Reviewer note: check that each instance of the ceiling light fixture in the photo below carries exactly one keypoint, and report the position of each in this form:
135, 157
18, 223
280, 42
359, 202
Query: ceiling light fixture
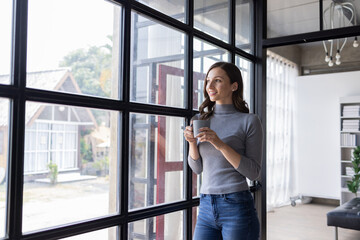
339, 15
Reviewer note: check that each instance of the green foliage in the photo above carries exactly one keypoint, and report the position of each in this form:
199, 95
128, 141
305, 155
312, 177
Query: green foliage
353, 185
91, 68
84, 131
53, 174
86, 152
102, 165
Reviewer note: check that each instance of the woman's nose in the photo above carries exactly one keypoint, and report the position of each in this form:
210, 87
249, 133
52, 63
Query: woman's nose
210, 84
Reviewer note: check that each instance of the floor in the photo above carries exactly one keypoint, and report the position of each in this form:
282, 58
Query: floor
303, 222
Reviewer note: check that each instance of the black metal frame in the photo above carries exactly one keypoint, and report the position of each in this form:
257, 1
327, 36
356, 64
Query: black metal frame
19, 94
261, 44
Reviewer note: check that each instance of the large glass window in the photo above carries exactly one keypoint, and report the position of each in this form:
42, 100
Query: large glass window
97, 72
72, 50
70, 165
4, 144
212, 17
173, 8
108, 233
205, 55
157, 54
245, 67
195, 213
169, 226
292, 17
156, 160
5, 46
339, 14
244, 23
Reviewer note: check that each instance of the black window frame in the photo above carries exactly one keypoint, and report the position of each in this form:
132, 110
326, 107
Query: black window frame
19, 94
262, 44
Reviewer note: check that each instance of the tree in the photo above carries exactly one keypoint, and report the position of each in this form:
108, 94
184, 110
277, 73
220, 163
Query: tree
91, 68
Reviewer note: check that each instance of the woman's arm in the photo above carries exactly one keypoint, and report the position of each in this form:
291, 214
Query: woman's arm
194, 151
250, 164
194, 158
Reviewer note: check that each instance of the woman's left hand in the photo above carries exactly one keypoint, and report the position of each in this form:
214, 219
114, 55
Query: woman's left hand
208, 135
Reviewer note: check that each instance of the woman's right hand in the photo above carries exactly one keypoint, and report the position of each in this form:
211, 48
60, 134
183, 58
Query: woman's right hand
189, 135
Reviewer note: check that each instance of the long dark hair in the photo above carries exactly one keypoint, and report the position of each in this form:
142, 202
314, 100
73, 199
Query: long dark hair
234, 75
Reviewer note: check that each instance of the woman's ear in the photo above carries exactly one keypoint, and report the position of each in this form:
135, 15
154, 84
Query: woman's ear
234, 86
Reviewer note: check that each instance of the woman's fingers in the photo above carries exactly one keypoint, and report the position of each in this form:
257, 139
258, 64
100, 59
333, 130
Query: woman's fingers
189, 128
206, 136
188, 134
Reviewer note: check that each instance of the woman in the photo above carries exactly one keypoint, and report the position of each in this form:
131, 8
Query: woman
226, 153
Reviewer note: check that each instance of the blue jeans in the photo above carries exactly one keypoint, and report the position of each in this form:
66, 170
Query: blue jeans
227, 216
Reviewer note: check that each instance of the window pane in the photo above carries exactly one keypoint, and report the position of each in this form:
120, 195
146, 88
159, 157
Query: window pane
196, 184
195, 213
212, 17
244, 25
4, 144
108, 233
72, 50
156, 160
5, 46
173, 8
70, 170
245, 67
205, 55
157, 57
339, 14
169, 226
292, 17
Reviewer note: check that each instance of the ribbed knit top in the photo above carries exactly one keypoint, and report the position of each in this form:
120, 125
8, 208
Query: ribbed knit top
242, 132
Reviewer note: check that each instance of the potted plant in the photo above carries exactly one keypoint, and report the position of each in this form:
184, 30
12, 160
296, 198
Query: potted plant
53, 172
353, 185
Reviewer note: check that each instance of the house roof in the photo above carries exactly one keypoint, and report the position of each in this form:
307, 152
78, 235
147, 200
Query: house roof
59, 79
42, 79
47, 80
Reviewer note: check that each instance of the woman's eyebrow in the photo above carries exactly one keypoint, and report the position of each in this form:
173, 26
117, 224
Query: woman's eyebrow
215, 77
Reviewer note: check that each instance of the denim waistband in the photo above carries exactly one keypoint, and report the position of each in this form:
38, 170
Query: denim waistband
225, 194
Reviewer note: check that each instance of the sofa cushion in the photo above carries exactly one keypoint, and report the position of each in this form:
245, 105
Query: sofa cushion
346, 215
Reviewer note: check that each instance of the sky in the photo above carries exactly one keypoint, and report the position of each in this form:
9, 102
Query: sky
55, 28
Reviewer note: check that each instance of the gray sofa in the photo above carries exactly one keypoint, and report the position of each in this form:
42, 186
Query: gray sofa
346, 215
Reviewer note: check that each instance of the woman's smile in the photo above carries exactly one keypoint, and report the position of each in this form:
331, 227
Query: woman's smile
218, 86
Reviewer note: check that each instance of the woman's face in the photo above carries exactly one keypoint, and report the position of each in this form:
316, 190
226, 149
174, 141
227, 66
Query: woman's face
218, 86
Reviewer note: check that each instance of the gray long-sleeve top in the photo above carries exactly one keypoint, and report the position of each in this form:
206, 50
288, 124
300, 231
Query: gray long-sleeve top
242, 132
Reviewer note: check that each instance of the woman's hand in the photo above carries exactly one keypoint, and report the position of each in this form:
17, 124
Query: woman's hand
208, 135
189, 135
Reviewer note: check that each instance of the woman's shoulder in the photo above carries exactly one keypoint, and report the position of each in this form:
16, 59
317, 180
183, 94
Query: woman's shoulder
249, 117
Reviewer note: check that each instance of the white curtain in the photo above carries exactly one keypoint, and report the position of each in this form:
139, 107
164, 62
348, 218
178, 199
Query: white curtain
281, 75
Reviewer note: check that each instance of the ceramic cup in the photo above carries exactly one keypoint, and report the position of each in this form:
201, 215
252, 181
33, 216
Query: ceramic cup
197, 124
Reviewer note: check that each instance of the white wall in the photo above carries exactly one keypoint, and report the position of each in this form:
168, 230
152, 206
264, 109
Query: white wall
317, 126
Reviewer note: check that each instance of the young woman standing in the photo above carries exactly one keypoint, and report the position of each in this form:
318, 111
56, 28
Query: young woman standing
226, 153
